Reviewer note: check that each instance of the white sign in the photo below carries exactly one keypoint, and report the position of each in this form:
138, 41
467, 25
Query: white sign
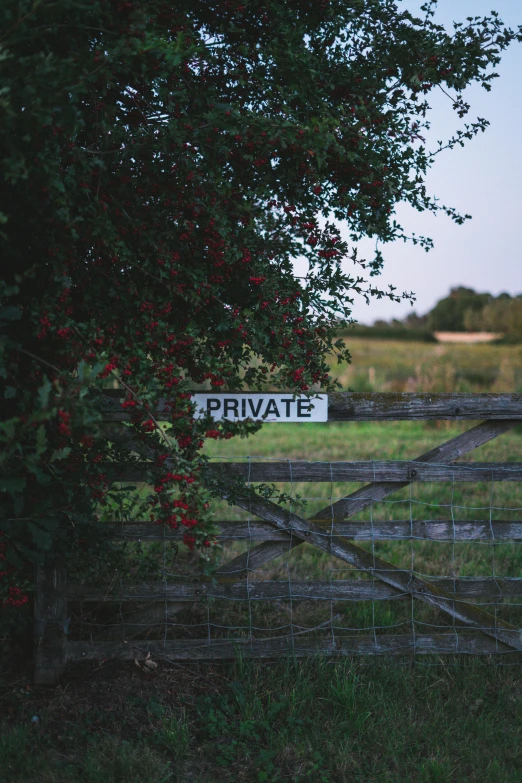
268, 407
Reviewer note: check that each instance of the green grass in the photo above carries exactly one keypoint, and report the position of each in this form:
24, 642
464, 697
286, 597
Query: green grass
27, 756
319, 721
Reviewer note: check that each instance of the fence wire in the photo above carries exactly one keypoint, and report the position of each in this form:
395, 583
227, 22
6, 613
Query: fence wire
462, 537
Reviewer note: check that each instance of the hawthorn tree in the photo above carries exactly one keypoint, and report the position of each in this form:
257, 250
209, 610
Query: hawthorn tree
163, 164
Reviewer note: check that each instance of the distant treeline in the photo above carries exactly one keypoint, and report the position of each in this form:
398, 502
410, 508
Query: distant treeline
463, 310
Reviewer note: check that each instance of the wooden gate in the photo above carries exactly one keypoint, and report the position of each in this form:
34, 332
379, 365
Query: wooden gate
278, 531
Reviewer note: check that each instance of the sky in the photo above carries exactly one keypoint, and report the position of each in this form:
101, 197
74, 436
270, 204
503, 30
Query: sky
483, 179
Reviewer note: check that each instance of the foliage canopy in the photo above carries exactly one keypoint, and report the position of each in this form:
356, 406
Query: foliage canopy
162, 166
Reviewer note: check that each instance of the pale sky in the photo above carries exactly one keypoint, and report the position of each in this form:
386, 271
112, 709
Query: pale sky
483, 179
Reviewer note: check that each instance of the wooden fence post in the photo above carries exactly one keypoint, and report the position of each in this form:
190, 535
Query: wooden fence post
50, 612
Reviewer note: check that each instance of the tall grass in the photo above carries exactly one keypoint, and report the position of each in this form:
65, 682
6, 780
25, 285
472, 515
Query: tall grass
386, 365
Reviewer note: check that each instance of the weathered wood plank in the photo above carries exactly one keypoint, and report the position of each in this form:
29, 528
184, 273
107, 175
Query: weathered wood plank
386, 406
50, 615
242, 565
486, 588
203, 650
387, 530
134, 623
379, 568
378, 470
349, 406
331, 472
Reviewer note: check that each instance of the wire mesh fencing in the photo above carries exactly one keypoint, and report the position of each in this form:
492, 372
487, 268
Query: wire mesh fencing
403, 558
428, 562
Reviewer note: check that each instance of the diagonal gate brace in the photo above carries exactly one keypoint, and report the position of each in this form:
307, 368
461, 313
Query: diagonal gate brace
301, 530
402, 581
239, 567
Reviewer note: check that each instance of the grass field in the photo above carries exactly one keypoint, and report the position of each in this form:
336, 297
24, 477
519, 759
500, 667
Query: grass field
383, 365
435, 720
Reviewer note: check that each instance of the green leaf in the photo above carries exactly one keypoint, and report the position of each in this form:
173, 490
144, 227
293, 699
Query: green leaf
14, 559
44, 392
12, 485
9, 392
41, 440
41, 538
42, 478
10, 313
8, 427
60, 454
84, 371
